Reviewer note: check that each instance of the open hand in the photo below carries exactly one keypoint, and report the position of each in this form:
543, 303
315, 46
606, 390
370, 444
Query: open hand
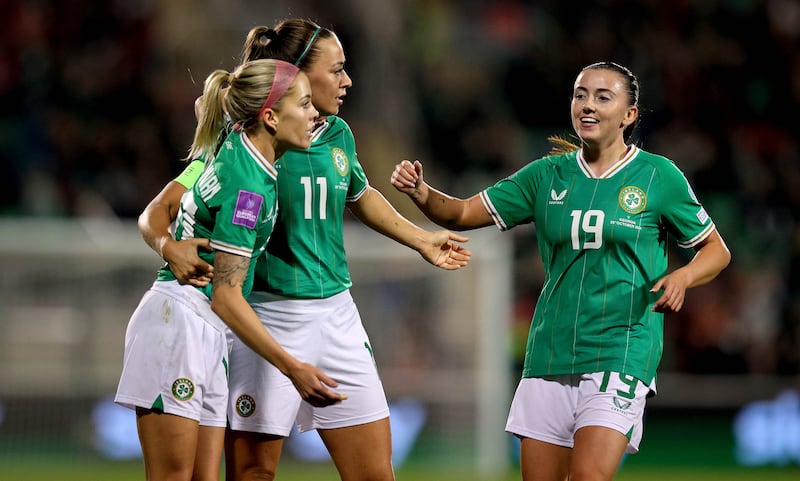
185, 263
443, 250
312, 384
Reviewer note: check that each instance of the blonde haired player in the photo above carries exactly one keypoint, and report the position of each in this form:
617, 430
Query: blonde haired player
176, 349
302, 288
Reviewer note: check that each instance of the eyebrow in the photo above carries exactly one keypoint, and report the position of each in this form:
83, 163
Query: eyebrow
599, 90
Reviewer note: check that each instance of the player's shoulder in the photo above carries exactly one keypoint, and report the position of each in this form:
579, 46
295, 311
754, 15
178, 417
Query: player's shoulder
665, 168
240, 157
337, 122
333, 127
657, 161
542, 167
559, 160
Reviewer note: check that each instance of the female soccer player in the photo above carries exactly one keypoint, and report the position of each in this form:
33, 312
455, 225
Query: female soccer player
176, 350
603, 213
302, 284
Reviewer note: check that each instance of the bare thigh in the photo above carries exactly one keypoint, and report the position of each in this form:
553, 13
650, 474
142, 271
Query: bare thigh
597, 453
208, 461
251, 456
169, 446
362, 452
541, 461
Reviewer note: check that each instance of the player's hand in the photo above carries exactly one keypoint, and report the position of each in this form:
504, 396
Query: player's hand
674, 287
185, 263
407, 178
442, 250
312, 384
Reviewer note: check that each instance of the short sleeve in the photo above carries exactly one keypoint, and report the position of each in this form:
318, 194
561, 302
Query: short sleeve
512, 201
683, 215
237, 211
358, 178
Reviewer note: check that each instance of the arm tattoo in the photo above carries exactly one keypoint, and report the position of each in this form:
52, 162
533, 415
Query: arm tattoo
230, 269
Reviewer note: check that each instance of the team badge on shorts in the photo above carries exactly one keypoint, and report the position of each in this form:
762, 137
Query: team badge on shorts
245, 405
340, 161
632, 199
183, 389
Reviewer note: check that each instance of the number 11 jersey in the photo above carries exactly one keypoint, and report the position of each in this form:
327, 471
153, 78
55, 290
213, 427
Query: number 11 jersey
306, 256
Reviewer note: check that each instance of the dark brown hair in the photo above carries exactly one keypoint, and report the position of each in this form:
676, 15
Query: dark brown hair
563, 146
291, 40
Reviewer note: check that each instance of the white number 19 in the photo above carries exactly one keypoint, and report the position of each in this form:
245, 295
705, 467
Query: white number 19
590, 222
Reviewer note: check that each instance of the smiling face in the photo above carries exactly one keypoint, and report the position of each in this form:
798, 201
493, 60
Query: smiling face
295, 115
601, 107
329, 81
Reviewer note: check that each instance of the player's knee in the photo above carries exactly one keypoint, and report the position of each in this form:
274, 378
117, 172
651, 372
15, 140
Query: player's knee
383, 472
586, 474
257, 473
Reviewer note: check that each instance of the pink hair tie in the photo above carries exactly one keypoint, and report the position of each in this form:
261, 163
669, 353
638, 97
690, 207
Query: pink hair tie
284, 76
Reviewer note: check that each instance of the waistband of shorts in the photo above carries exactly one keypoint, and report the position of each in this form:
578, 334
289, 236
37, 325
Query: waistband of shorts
193, 299
344, 297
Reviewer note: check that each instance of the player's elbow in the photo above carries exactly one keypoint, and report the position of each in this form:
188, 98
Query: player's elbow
223, 300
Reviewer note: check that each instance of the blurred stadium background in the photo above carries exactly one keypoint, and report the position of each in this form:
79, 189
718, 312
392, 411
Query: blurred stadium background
96, 110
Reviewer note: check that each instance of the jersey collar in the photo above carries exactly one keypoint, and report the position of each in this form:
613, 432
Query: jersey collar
626, 159
319, 128
257, 156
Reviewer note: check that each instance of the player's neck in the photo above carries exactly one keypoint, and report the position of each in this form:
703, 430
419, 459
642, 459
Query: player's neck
600, 159
266, 144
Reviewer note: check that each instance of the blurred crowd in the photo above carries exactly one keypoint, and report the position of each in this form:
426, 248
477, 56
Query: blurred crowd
96, 112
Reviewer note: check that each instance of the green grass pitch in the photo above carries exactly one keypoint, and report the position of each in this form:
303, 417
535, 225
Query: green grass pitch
41, 469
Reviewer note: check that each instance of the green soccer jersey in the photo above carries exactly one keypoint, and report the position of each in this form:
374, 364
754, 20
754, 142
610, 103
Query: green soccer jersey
233, 204
603, 243
306, 255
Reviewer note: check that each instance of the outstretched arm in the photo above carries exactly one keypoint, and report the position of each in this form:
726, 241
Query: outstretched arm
712, 255
440, 248
447, 211
181, 256
229, 304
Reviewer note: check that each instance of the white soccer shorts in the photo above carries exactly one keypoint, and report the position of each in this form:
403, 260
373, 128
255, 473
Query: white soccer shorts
553, 408
176, 356
327, 333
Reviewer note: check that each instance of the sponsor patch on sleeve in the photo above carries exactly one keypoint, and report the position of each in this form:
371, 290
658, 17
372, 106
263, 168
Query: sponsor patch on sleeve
248, 205
702, 215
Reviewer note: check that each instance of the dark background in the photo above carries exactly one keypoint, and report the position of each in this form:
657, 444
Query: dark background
96, 113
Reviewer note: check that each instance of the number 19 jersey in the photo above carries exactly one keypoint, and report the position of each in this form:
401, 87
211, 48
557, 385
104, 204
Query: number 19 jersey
603, 243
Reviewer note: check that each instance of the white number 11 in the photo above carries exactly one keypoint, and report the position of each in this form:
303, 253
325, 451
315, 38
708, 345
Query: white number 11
309, 196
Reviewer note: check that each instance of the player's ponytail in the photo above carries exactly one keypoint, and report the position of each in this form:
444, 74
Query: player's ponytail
211, 115
561, 146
